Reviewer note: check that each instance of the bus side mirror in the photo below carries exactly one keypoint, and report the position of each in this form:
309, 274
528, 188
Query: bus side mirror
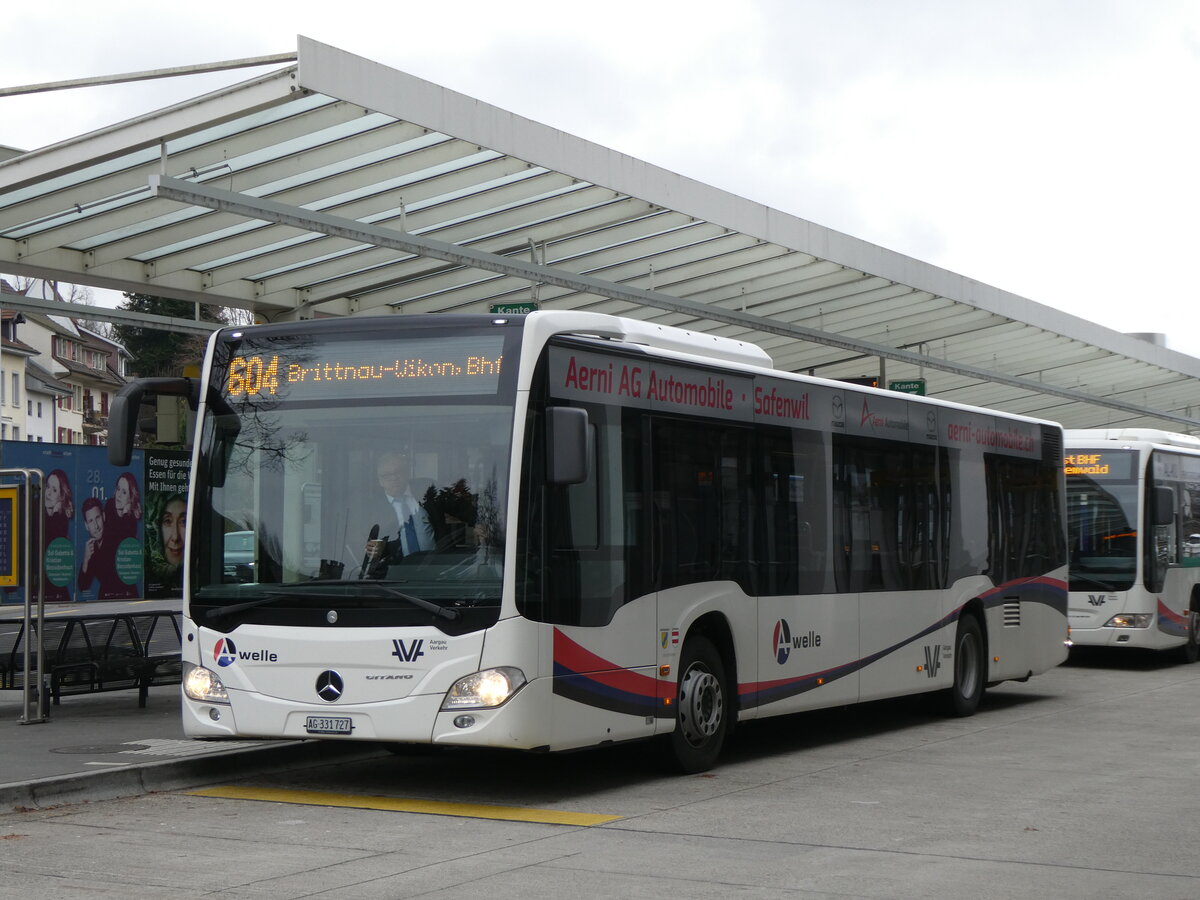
568, 450
123, 412
1164, 506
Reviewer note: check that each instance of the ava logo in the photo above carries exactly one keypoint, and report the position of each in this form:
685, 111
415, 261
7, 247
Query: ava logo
410, 653
224, 653
1096, 599
783, 641
933, 659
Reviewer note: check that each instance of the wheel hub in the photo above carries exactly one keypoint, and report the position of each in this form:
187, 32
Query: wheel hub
701, 705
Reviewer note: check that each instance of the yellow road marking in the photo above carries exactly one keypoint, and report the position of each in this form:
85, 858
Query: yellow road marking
405, 804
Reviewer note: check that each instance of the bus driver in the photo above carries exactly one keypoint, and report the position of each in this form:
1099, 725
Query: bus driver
397, 523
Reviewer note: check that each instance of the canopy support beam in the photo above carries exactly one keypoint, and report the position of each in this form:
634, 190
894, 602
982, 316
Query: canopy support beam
106, 314
210, 197
149, 74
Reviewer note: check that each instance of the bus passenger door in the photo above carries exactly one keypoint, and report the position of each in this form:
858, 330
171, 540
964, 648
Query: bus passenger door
894, 505
701, 523
807, 638
596, 593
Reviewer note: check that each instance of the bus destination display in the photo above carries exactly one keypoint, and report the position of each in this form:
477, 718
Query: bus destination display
366, 368
1103, 464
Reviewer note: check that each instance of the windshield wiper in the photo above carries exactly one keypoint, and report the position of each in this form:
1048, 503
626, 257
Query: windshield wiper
1079, 576
301, 587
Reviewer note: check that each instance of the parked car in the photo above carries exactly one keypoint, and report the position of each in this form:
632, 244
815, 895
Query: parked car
1191, 546
239, 555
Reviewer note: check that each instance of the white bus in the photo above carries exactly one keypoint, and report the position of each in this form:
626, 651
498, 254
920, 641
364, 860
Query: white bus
1133, 508
636, 531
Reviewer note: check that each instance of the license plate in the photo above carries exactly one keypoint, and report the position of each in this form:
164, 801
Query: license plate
328, 725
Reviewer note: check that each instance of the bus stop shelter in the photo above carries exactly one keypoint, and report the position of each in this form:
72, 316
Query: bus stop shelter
334, 185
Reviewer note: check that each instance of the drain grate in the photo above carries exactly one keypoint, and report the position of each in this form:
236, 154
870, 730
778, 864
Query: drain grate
101, 748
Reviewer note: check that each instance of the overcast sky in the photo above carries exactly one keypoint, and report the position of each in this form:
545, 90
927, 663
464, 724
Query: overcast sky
1046, 147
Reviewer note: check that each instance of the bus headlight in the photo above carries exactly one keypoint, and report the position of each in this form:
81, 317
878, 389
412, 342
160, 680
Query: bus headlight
1130, 620
203, 684
491, 687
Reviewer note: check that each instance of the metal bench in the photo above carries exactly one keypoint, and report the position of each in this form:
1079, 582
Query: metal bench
101, 652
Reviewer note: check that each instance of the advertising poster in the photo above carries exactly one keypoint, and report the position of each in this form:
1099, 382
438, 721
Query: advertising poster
167, 474
93, 520
57, 554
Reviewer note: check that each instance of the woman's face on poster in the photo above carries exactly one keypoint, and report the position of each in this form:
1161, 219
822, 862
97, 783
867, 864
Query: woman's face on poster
172, 522
53, 497
121, 497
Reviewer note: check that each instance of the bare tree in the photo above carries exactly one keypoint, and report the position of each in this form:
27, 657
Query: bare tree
74, 293
234, 316
19, 283
53, 290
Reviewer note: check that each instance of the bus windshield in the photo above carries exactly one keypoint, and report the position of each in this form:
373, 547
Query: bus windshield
352, 478
1102, 517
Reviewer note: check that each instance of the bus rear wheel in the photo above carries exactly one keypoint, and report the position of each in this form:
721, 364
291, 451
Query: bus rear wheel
970, 668
702, 708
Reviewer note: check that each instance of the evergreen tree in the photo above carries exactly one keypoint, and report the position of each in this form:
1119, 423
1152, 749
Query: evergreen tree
158, 352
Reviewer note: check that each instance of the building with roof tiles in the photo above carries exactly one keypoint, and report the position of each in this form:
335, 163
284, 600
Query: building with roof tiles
57, 377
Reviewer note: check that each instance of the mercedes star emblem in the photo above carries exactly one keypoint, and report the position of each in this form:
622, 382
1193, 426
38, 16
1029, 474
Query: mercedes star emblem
329, 685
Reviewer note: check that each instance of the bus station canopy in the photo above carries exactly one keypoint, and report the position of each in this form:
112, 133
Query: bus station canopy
338, 186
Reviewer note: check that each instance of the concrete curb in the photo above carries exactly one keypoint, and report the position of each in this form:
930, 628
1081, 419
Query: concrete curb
175, 775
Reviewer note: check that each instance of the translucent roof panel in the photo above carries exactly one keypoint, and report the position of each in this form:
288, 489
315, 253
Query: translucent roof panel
340, 186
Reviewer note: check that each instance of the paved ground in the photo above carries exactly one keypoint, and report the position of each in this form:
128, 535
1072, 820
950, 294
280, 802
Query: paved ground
105, 746
1082, 783
102, 746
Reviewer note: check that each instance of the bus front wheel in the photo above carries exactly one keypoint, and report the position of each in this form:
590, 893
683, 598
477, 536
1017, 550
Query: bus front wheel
970, 668
702, 707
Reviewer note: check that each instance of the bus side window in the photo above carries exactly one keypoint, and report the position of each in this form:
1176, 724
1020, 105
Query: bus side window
1025, 534
572, 522
796, 521
891, 515
701, 503
1163, 518
581, 517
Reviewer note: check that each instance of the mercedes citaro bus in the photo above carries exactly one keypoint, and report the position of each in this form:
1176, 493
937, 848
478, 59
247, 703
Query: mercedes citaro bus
636, 532
1133, 513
